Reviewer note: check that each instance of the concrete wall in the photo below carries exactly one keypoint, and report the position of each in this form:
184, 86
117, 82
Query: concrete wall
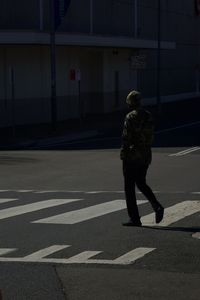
179, 23
106, 73
31, 83
20, 14
118, 78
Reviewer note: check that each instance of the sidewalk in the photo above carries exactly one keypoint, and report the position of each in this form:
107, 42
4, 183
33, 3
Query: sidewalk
173, 114
28, 136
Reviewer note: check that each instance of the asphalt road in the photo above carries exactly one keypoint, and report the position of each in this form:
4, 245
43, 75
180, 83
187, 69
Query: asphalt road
89, 254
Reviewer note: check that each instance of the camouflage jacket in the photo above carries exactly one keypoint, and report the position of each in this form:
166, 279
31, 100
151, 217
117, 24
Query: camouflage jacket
137, 137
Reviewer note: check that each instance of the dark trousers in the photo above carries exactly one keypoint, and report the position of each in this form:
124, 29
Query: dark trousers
135, 174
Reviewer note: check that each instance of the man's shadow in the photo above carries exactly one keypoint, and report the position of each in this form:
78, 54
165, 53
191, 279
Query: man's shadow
167, 228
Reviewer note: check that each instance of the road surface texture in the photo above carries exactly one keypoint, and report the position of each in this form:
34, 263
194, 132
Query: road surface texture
61, 209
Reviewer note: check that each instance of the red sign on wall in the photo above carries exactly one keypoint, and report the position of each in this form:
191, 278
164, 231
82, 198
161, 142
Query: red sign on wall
197, 7
72, 74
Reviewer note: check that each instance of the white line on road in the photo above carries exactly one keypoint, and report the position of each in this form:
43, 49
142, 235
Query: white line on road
133, 255
173, 213
5, 200
24, 191
4, 251
196, 235
78, 191
99, 192
56, 191
92, 192
126, 259
184, 152
23, 209
81, 258
77, 216
45, 252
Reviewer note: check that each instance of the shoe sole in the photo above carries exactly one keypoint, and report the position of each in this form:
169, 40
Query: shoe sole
132, 225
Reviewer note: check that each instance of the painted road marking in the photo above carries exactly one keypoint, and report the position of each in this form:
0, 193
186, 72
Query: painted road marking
4, 251
78, 191
133, 255
5, 200
196, 235
101, 192
81, 258
173, 213
24, 191
23, 209
57, 191
184, 152
77, 216
45, 252
90, 192
126, 259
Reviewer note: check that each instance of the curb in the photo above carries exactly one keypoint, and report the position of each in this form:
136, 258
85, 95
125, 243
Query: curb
43, 143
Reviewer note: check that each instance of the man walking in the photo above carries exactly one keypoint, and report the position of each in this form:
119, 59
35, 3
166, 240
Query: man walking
136, 155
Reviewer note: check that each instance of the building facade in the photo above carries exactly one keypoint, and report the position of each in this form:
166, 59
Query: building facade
104, 48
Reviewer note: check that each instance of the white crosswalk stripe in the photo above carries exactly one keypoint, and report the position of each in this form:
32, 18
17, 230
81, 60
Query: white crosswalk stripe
4, 251
77, 216
45, 252
5, 200
174, 213
81, 258
196, 235
27, 208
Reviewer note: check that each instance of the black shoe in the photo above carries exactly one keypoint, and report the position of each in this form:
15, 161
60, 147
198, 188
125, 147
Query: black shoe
159, 214
132, 223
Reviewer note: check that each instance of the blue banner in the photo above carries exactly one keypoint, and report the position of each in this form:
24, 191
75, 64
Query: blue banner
61, 7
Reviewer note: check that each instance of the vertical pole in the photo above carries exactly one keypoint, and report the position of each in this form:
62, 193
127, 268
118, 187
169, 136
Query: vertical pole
197, 79
135, 19
91, 16
80, 103
5, 76
159, 108
116, 89
13, 100
41, 15
136, 36
53, 66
